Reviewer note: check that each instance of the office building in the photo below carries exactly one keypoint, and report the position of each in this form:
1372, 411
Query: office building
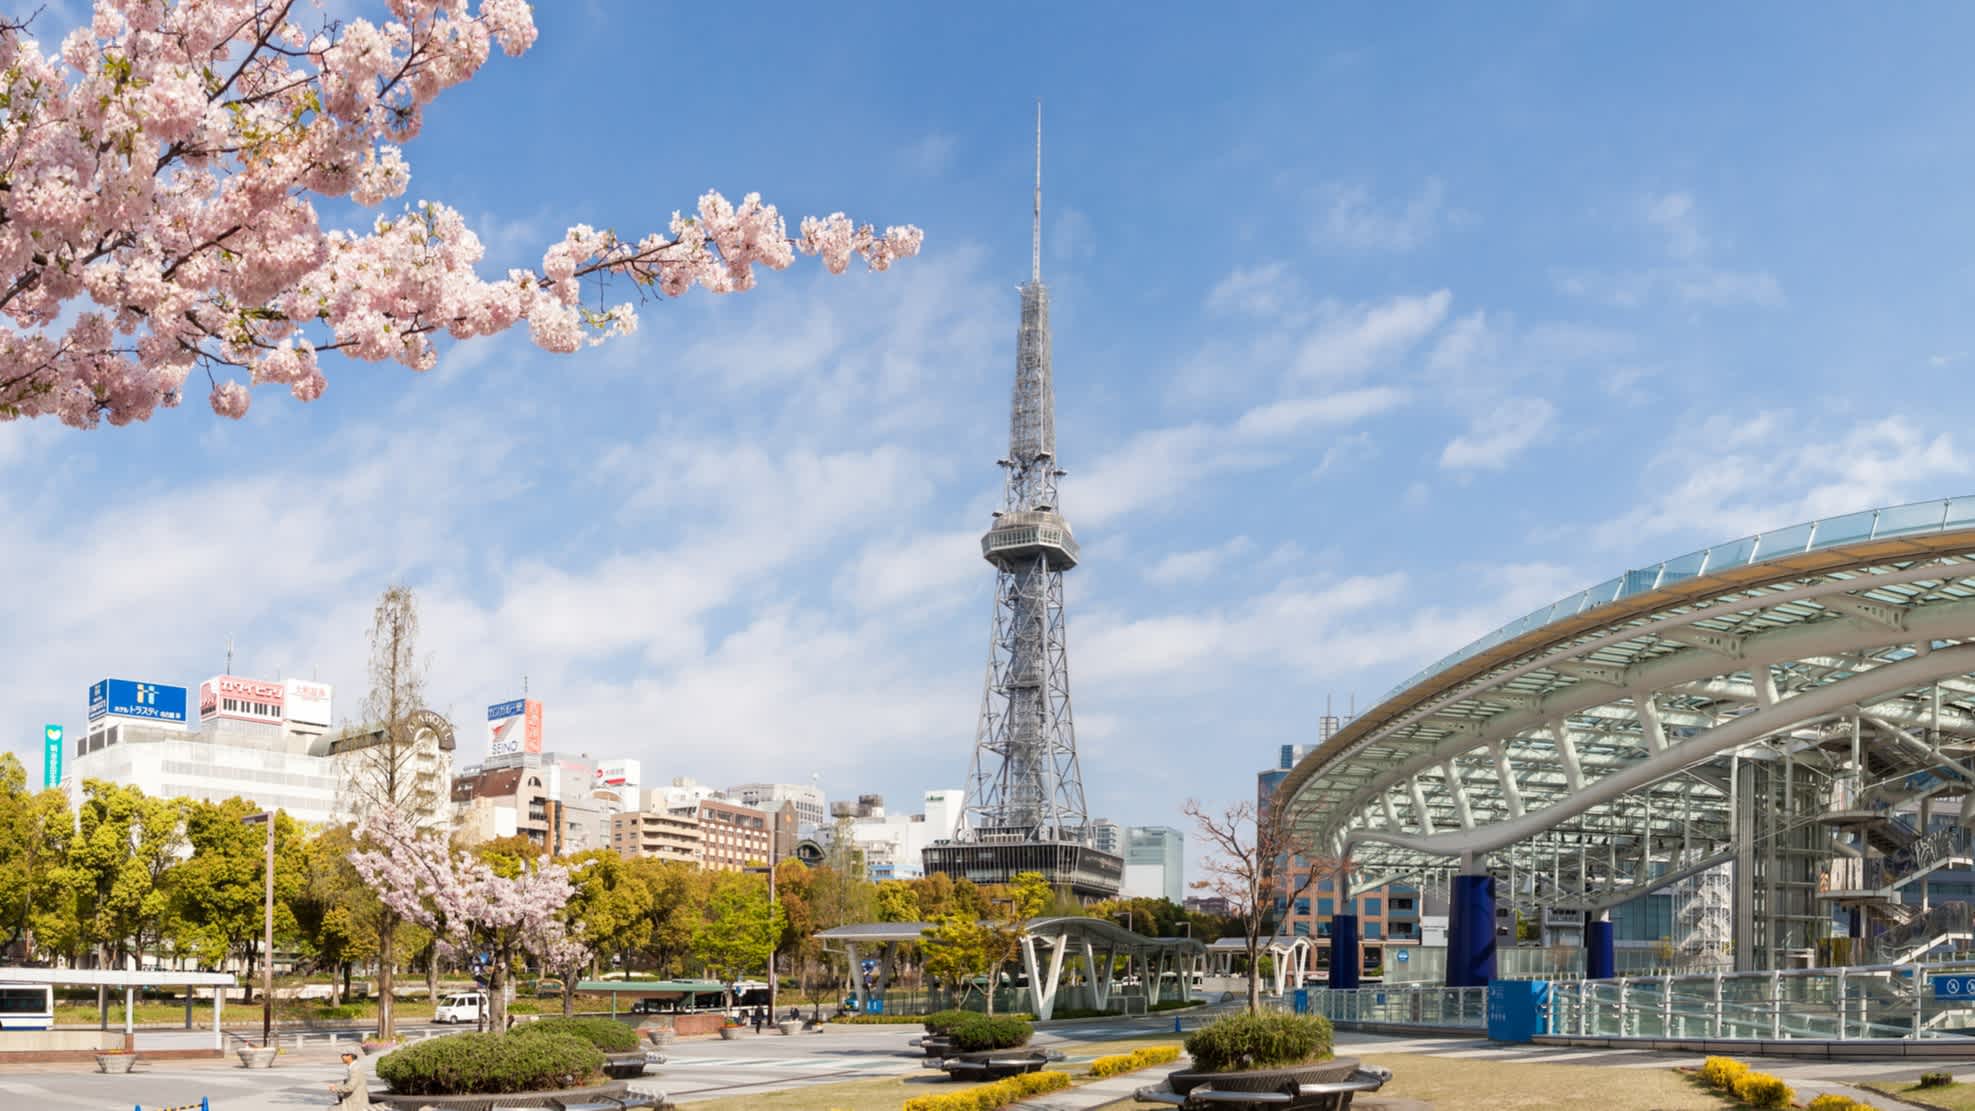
1155, 863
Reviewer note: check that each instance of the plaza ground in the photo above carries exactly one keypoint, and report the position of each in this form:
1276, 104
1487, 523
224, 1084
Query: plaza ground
871, 1068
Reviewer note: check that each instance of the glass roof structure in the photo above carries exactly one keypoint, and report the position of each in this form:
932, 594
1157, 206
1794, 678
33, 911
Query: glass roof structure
1597, 739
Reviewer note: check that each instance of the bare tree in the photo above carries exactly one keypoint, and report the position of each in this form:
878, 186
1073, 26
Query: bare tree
1242, 868
381, 771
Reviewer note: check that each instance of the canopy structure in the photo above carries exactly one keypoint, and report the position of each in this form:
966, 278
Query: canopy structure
1782, 714
130, 980
1091, 947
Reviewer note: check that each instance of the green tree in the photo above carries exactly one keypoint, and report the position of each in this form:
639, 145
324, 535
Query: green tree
897, 902
35, 829
738, 930
124, 847
334, 914
960, 949
611, 912
217, 893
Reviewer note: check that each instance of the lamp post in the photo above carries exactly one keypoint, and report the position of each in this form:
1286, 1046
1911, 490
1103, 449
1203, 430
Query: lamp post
267, 936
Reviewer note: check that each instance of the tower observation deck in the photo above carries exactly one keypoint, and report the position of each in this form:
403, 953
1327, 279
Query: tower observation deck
1025, 796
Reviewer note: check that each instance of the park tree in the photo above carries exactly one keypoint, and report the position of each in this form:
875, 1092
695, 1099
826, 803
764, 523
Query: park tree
959, 950
164, 167
124, 846
512, 904
897, 902
335, 915
676, 893
1244, 847
609, 914
35, 828
738, 929
218, 909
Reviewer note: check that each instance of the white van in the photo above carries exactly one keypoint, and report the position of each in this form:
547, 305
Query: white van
466, 1006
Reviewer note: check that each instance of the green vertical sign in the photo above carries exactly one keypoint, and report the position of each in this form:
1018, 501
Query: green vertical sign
51, 756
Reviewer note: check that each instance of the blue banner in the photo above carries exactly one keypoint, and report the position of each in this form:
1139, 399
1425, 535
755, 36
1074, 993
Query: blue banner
127, 699
51, 756
1954, 987
500, 710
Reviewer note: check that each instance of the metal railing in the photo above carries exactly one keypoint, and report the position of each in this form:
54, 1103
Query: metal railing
1835, 1004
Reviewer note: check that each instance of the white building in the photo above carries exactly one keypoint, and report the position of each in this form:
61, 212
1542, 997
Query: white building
622, 778
810, 809
250, 745
1107, 836
1155, 863
893, 843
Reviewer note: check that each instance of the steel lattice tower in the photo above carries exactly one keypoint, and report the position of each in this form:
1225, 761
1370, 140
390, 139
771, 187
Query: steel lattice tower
1025, 796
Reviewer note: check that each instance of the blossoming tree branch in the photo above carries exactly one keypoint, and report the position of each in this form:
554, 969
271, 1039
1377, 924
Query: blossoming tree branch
158, 179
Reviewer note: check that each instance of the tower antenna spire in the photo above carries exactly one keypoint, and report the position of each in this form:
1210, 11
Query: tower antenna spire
1035, 245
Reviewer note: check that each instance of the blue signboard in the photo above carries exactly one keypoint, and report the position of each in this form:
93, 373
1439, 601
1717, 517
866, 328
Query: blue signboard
1515, 1009
123, 698
1954, 987
51, 756
512, 709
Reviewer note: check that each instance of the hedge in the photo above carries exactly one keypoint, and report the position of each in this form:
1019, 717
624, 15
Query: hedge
988, 1097
1831, 1101
978, 1033
943, 1022
1721, 1073
1269, 1040
606, 1034
466, 1064
1137, 1059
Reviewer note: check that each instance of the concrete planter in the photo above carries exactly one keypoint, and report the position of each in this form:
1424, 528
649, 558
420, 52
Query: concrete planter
381, 1047
729, 1033
788, 1026
601, 1093
659, 1035
115, 1062
624, 1066
253, 1058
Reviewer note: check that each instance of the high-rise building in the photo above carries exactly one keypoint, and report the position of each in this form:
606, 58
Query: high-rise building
810, 808
732, 836
1025, 796
1155, 863
1107, 836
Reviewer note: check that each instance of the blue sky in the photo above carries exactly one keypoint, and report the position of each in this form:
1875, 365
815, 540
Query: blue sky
1373, 329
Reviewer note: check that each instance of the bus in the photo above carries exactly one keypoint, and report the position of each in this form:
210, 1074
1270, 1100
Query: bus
27, 1006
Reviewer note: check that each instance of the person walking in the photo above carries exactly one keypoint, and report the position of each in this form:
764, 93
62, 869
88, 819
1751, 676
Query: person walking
353, 1092
758, 1020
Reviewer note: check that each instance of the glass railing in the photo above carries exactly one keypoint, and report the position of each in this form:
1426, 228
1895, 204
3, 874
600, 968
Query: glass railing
1917, 518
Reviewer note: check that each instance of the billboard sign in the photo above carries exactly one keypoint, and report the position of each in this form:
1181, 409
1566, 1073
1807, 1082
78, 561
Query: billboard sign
514, 727
51, 755
307, 703
146, 701
230, 696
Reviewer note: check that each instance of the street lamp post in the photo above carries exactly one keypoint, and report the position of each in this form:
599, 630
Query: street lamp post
267, 935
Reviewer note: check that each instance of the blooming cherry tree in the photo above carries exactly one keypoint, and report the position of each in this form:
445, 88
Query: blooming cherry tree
159, 174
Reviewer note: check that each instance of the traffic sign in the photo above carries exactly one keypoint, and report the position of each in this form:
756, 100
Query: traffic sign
1402, 956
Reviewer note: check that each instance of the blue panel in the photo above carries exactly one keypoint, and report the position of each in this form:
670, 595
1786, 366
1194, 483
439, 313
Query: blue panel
1515, 1009
1954, 987
1344, 959
1599, 959
502, 710
1471, 932
148, 701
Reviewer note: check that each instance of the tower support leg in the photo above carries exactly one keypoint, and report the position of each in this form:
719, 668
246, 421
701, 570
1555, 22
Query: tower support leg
1470, 933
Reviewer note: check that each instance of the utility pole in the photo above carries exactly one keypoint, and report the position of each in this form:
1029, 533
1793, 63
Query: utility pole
267, 935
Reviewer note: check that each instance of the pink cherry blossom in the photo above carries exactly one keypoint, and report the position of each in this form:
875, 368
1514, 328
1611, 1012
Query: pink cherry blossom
162, 168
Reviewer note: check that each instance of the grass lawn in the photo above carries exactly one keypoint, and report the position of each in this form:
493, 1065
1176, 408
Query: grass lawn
1956, 1097
1451, 1083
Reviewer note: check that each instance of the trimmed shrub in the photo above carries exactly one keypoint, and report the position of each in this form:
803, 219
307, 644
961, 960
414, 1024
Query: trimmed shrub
987, 1097
1262, 1041
1759, 1089
1831, 1101
606, 1034
1935, 1079
1137, 1059
467, 1064
943, 1022
1721, 1073
978, 1033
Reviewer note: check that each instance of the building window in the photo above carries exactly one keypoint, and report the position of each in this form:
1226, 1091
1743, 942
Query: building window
1323, 885
1323, 907
1371, 931
1372, 907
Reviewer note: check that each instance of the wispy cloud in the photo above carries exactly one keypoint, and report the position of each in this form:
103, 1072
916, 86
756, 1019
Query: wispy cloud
1690, 277
1499, 434
1349, 218
1182, 567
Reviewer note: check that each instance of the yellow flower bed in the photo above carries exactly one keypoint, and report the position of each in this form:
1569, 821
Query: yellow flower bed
1137, 1059
1757, 1089
988, 1097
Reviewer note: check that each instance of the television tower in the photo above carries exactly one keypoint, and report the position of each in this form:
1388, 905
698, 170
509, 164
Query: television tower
1025, 808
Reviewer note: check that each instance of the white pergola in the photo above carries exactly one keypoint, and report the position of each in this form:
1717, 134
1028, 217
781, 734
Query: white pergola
129, 980
1736, 706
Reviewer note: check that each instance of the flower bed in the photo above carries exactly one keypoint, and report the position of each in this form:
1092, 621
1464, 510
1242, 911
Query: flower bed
987, 1097
1137, 1059
1757, 1089
1259, 1041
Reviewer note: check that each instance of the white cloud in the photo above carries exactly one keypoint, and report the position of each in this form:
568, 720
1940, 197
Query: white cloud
1691, 278
933, 567
931, 156
1292, 415
1673, 214
1498, 435
1267, 289
1359, 338
1348, 218
1717, 478
1182, 567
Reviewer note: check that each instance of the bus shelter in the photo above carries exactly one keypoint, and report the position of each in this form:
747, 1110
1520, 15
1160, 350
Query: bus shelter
128, 981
